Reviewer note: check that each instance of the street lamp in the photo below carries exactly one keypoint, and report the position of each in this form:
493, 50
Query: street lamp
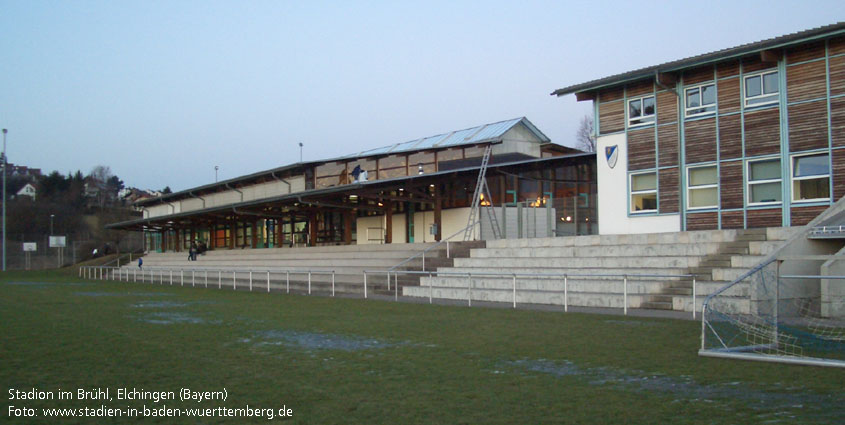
215, 173
4, 198
300, 151
51, 224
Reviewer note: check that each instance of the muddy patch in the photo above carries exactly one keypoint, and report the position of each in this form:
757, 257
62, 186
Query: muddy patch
684, 388
43, 284
172, 318
122, 294
317, 341
634, 323
168, 304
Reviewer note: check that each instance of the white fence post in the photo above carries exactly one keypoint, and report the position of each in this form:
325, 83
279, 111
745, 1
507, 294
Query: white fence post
693, 296
565, 294
219, 279
625, 294
309, 282
250, 281
469, 290
332, 282
234, 282
181, 277
192, 278
430, 294
395, 286
206, 278
514, 290
268, 280
365, 284
287, 279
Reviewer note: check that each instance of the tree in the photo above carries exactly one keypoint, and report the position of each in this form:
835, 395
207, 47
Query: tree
166, 190
586, 140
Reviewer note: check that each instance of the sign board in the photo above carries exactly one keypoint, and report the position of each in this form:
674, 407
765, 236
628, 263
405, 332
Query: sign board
30, 246
57, 242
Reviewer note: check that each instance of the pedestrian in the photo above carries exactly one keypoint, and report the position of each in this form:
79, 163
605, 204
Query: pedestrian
140, 262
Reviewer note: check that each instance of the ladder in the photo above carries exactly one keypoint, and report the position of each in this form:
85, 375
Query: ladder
482, 188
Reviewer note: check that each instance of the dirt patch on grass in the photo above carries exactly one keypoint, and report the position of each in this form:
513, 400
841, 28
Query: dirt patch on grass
777, 405
172, 318
122, 294
317, 341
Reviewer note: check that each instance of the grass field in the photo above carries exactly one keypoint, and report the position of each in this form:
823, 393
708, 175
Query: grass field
363, 361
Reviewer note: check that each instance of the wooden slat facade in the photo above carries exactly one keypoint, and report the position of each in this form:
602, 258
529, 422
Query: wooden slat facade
733, 220
731, 184
700, 140
808, 126
727, 69
702, 220
730, 137
800, 216
805, 52
805, 81
770, 217
728, 96
762, 132
667, 143
668, 190
611, 117
640, 88
667, 107
698, 75
837, 75
641, 149
838, 174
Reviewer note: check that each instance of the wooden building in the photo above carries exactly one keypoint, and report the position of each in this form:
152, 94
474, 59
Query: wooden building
750, 136
417, 191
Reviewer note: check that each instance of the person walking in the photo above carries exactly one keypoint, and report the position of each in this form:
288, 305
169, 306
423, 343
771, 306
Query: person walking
140, 262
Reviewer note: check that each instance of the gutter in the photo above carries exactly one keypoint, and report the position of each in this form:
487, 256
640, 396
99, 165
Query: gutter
191, 193
273, 174
236, 190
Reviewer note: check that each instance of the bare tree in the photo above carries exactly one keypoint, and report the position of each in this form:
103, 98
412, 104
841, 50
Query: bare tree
584, 137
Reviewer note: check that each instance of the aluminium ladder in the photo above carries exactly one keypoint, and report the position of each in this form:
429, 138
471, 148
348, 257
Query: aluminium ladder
481, 189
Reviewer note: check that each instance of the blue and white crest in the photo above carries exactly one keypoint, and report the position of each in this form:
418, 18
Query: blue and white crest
612, 154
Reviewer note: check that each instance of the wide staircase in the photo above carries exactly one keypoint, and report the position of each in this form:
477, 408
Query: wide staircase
597, 266
288, 267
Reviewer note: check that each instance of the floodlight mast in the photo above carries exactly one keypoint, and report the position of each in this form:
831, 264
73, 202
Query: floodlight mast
4, 198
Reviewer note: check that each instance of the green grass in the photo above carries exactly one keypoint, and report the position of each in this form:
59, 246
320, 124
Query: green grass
447, 364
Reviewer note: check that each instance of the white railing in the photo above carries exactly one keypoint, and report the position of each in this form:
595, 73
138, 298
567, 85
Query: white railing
263, 279
256, 278
828, 231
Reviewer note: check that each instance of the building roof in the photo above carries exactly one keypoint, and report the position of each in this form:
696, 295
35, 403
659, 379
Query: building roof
719, 55
487, 133
298, 196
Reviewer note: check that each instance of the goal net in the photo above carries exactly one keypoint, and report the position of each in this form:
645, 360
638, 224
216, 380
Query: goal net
768, 314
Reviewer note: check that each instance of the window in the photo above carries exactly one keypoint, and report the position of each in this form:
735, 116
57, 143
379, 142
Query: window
643, 192
702, 187
761, 89
764, 182
811, 178
641, 111
700, 100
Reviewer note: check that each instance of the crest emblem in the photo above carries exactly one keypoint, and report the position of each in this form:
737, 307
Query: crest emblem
612, 154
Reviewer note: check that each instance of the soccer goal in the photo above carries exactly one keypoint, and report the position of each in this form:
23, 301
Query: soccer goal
773, 314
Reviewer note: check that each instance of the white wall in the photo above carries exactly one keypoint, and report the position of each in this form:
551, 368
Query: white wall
613, 195
253, 192
363, 223
452, 220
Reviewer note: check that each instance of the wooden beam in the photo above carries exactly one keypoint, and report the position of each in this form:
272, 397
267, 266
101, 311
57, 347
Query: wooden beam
388, 220
347, 227
666, 79
770, 56
582, 96
312, 229
438, 201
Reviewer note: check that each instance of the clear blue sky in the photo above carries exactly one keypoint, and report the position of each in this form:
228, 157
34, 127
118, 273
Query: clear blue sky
162, 91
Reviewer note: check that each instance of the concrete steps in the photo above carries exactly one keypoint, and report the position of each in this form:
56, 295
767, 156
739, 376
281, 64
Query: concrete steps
716, 257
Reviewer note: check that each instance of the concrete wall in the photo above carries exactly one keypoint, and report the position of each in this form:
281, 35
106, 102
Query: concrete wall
249, 193
518, 140
833, 290
613, 196
452, 220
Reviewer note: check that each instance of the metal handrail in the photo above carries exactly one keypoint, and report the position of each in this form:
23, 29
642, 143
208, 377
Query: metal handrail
514, 276
422, 253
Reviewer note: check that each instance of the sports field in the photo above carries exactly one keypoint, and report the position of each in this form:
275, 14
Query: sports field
327, 361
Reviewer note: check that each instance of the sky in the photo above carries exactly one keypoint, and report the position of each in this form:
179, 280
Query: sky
164, 91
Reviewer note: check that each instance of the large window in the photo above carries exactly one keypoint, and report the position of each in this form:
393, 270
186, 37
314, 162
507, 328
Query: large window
700, 100
641, 111
702, 187
811, 178
761, 89
764, 182
644, 192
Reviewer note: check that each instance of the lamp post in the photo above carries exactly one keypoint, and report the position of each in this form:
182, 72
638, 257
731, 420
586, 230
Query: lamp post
300, 151
51, 224
215, 173
4, 198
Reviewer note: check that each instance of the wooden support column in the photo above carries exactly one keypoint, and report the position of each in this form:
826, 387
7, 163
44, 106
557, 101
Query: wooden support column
233, 233
279, 235
312, 228
438, 209
388, 220
347, 227
254, 234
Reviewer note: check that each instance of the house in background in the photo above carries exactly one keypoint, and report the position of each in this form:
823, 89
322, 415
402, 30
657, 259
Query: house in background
27, 190
750, 136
